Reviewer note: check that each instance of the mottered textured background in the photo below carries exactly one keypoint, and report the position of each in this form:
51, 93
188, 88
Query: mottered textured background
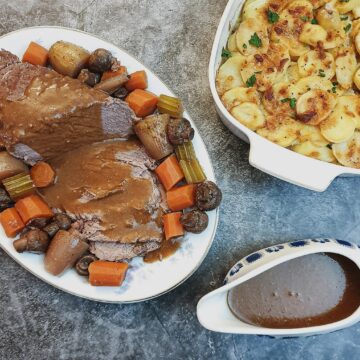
174, 38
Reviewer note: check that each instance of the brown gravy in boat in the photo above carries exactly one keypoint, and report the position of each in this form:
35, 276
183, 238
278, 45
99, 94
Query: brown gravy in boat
311, 290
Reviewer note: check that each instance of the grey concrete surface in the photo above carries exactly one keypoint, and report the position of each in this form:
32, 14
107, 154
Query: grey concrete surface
174, 38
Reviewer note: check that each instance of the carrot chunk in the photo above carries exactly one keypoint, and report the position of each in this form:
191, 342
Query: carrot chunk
142, 102
169, 172
181, 197
138, 80
32, 207
11, 222
109, 74
42, 174
172, 225
36, 54
106, 273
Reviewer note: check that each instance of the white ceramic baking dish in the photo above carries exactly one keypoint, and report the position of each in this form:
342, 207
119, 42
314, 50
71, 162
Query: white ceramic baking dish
265, 155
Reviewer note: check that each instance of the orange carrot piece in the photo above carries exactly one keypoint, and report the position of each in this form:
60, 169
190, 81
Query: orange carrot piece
36, 54
42, 174
142, 102
106, 273
181, 197
109, 74
138, 80
32, 207
11, 222
172, 225
169, 172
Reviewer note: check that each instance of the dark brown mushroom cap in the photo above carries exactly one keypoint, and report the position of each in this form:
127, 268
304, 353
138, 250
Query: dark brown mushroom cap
195, 221
63, 221
179, 131
34, 240
208, 196
100, 61
82, 265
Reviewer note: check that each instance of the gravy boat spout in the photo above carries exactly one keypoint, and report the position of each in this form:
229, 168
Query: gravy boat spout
213, 310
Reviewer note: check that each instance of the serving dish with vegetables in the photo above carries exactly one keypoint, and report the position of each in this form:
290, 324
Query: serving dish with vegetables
288, 71
104, 176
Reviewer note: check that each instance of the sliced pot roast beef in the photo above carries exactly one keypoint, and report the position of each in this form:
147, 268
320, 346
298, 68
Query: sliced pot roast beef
44, 114
113, 197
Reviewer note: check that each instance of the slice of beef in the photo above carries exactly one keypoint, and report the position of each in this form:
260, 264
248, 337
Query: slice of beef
43, 114
113, 197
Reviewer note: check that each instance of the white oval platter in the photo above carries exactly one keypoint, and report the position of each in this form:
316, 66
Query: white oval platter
143, 281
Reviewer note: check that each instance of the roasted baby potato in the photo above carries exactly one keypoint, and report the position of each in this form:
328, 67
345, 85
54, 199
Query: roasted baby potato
68, 59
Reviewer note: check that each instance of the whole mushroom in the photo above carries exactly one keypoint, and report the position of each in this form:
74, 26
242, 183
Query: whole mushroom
100, 61
179, 131
195, 221
34, 240
208, 196
82, 265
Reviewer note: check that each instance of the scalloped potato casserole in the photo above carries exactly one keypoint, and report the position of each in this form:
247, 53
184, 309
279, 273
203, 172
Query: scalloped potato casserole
291, 73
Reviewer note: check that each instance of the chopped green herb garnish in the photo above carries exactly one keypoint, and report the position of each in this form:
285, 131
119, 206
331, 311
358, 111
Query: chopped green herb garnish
304, 18
333, 89
322, 73
314, 22
225, 53
344, 17
291, 101
250, 82
255, 40
347, 27
335, 83
258, 72
244, 46
344, 0
273, 17
329, 146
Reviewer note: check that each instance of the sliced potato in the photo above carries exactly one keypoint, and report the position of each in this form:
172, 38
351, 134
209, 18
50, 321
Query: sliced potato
329, 18
314, 106
356, 12
346, 67
249, 114
67, 58
311, 133
247, 30
340, 125
293, 74
312, 83
347, 153
322, 153
346, 6
317, 63
357, 42
231, 45
287, 30
318, 3
282, 131
350, 105
229, 76
357, 78
254, 9
312, 34
276, 99
355, 29
239, 95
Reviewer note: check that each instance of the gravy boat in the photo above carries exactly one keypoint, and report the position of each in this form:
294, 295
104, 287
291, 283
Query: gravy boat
214, 313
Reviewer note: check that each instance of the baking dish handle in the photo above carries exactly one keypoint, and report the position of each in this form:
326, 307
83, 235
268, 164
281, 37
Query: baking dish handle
292, 167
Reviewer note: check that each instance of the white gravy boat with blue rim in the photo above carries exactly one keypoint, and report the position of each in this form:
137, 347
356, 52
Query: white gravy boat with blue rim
214, 313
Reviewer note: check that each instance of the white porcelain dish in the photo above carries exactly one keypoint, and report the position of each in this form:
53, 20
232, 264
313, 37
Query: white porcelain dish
144, 281
265, 155
213, 311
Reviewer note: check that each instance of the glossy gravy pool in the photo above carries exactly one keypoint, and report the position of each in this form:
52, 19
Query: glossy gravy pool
311, 290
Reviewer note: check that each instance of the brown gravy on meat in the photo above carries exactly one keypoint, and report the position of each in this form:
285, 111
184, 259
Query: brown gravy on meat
312, 290
91, 183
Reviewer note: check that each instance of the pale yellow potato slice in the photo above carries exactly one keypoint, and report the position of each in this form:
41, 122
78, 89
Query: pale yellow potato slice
231, 45
315, 106
357, 78
356, 12
239, 95
317, 63
311, 133
339, 126
346, 6
282, 131
355, 29
350, 105
312, 34
346, 67
293, 74
322, 153
247, 29
347, 153
311, 83
254, 9
329, 18
249, 114
229, 76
